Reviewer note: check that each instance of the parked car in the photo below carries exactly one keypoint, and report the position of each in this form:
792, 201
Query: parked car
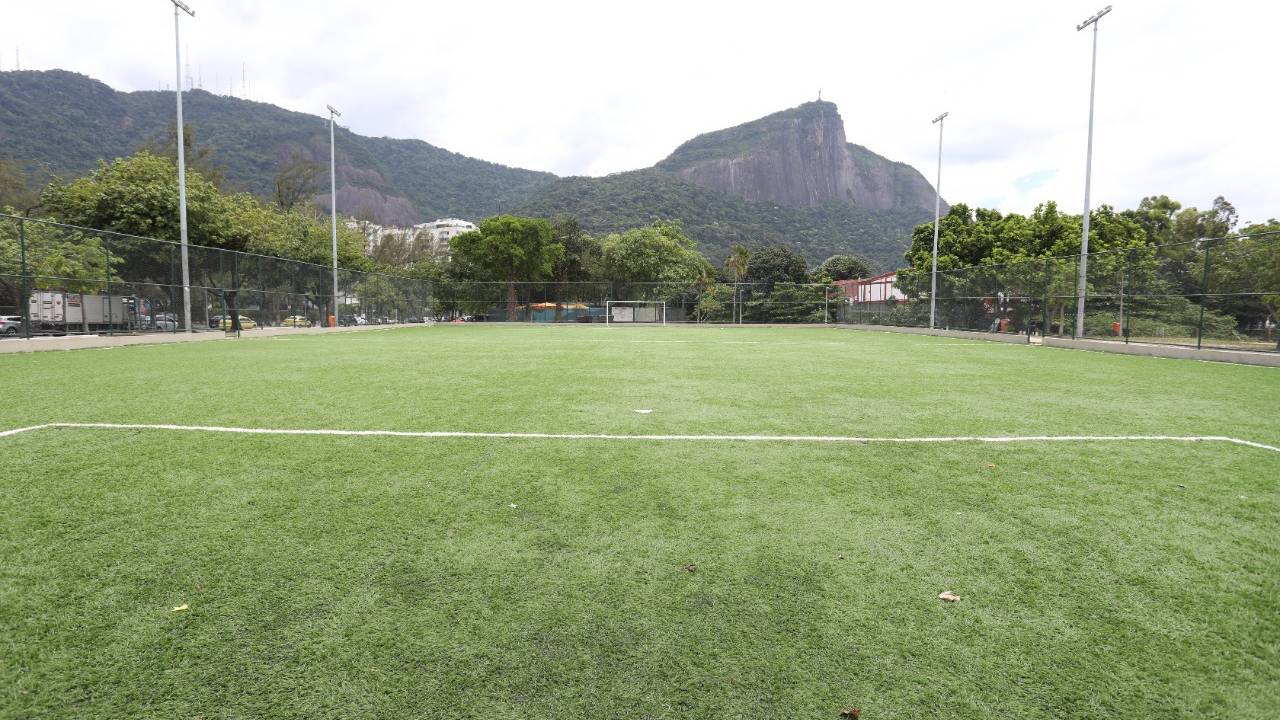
167, 322
10, 325
246, 323
296, 321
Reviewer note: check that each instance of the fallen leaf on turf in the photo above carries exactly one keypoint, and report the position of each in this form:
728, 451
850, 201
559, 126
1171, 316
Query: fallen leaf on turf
990, 465
852, 713
181, 607
691, 567
949, 596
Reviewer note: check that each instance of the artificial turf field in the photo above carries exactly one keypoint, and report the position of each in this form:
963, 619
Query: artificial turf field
400, 577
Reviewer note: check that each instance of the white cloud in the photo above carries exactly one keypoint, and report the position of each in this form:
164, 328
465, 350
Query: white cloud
1183, 103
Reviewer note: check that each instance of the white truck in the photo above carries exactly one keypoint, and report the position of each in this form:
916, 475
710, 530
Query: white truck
55, 311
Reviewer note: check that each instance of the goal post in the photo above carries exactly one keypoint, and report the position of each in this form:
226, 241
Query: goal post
635, 312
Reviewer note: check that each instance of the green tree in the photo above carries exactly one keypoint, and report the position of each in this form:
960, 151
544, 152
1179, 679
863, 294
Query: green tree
776, 264
297, 181
580, 263
197, 158
392, 251
658, 253
739, 258
509, 249
846, 267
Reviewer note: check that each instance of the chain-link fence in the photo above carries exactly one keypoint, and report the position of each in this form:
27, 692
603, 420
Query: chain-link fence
1221, 293
585, 302
63, 279
58, 279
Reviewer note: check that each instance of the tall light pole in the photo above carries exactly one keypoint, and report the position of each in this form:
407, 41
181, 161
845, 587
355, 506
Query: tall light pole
333, 207
182, 167
937, 213
1088, 171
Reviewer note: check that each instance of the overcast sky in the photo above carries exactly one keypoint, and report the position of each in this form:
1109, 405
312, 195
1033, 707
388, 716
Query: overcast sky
1186, 101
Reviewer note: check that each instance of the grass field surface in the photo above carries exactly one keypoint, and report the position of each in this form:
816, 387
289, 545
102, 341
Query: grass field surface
393, 577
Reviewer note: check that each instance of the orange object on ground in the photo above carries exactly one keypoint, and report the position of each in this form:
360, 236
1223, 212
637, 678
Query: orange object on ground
333, 322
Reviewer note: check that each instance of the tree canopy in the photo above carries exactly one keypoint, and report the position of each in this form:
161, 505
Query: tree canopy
776, 264
659, 253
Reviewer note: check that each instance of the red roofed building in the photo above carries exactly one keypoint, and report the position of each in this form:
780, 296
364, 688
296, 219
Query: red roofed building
876, 289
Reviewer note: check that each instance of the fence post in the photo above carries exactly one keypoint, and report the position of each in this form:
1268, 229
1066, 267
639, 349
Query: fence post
24, 292
170, 287
826, 304
1204, 289
106, 261
1048, 313
1125, 281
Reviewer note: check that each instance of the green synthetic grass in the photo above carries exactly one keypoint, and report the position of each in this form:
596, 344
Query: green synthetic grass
351, 577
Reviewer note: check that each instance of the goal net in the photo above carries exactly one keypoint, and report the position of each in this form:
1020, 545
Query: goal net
630, 312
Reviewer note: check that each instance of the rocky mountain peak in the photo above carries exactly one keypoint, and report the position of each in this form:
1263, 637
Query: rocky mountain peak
800, 158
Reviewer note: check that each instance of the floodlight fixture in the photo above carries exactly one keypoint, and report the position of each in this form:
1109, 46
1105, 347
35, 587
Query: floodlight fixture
1094, 19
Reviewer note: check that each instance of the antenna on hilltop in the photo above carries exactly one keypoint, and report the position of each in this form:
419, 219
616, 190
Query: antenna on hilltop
819, 96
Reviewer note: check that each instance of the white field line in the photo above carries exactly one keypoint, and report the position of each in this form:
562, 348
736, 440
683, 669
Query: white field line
604, 436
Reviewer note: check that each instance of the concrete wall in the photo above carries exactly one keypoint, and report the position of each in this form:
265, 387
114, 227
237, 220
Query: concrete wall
967, 334
81, 342
1246, 357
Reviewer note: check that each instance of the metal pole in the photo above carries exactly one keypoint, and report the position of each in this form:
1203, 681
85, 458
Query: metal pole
24, 295
1124, 276
106, 261
1048, 312
333, 208
937, 211
1204, 289
182, 169
1088, 172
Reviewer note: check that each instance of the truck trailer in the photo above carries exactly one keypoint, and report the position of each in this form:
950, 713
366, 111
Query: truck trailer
56, 311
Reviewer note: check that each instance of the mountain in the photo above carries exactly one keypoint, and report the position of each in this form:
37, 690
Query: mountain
790, 177
719, 220
799, 157
67, 122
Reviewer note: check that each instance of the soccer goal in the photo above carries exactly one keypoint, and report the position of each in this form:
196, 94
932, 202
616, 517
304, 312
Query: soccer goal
629, 312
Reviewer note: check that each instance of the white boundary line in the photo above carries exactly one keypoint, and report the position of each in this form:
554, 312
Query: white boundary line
602, 436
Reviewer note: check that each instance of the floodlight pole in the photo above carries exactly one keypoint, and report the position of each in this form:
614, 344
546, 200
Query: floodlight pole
937, 212
1088, 171
333, 207
178, 5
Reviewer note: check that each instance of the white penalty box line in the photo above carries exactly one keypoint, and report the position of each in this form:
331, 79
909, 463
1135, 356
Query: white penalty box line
650, 437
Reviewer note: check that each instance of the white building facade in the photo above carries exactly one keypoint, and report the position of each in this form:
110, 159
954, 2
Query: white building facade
439, 232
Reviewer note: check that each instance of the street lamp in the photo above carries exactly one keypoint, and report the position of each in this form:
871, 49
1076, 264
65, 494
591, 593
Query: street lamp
182, 168
333, 207
1088, 171
937, 212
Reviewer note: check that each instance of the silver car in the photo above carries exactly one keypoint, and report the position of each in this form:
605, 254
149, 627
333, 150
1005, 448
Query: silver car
10, 325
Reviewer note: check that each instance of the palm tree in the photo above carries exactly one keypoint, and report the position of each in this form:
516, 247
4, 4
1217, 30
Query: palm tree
739, 258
